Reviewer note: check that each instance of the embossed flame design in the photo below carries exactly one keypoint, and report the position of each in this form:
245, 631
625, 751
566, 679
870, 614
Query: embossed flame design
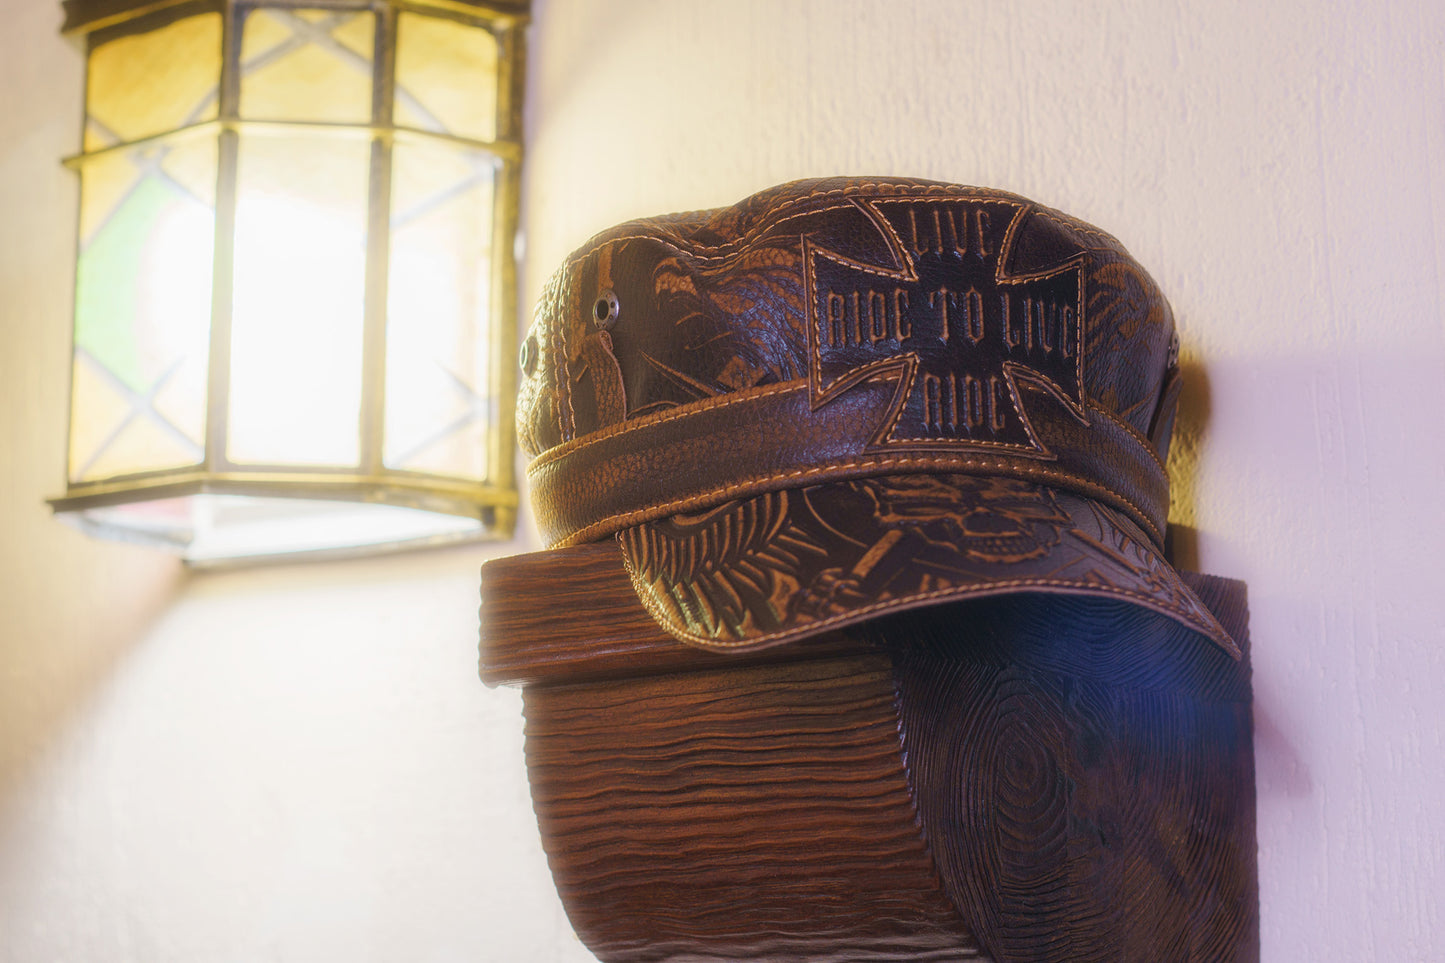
990, 520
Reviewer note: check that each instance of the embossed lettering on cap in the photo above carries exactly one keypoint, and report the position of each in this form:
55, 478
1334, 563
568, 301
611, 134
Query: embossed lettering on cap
947, 318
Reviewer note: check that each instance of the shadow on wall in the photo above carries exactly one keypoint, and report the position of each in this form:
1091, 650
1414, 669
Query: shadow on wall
1282, 770
1181, 544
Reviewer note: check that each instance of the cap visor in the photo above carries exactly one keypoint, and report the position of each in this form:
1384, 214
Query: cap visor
790, 564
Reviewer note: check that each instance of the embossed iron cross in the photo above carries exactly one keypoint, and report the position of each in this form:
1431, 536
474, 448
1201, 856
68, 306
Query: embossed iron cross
950, 322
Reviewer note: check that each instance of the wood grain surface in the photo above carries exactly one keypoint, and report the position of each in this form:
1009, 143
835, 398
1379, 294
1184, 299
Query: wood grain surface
759, 813
1085, 775
1027, 778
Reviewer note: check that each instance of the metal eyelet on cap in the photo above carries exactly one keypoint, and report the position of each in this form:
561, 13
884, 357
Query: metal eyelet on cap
605, 310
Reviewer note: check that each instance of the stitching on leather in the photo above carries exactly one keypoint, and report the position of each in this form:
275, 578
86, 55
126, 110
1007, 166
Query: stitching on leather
575, 445
1079, 227
1137, 435
736, 489
910, 375
896, 189
541, 462
612, 523
676, 247
663, 618
762, 218
562, 368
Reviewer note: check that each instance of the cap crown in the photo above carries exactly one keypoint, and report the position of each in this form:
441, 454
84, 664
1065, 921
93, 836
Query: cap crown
988, 333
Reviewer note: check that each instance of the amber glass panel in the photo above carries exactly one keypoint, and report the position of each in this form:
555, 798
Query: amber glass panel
296, 329
446, 77
153, 82
308, 65
143, 309
438, 409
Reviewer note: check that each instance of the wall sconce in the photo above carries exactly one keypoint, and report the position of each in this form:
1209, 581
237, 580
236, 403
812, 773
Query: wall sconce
294, 311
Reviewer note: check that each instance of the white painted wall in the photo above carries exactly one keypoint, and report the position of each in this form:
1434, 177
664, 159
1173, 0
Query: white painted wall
297, 764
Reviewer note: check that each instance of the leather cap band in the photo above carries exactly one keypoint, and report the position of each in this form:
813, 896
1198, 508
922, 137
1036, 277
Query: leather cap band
684, 459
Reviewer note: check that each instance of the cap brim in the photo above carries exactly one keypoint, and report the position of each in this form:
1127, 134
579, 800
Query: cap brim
790, 564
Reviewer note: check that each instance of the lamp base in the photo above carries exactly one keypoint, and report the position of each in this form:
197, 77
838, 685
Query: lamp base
214, 529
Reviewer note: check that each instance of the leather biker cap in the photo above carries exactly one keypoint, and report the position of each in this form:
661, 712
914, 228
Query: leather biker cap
846, 397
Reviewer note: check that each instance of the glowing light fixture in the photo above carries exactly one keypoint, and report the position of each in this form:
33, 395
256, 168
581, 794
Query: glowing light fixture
294, 310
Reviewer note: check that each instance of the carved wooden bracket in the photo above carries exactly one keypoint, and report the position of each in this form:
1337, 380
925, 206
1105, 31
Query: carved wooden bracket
1026, 778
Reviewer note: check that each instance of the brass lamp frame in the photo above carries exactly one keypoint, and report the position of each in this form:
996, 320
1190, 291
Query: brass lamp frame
493, 499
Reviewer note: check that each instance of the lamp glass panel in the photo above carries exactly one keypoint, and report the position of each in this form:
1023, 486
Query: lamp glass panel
446, 77
307, 65
153, 82
143, 309
297, 310
439, 409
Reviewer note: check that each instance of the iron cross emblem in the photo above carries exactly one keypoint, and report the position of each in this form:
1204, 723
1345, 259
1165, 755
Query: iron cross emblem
948, 318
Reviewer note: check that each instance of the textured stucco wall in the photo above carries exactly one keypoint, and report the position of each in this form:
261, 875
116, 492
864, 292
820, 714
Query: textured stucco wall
297, 764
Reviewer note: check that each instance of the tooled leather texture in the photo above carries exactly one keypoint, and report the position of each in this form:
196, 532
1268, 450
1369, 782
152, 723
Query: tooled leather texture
963, 328
795, 562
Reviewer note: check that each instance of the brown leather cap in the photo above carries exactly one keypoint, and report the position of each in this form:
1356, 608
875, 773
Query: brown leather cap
844, 397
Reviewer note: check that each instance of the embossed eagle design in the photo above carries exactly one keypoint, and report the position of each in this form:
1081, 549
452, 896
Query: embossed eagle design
824, 554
